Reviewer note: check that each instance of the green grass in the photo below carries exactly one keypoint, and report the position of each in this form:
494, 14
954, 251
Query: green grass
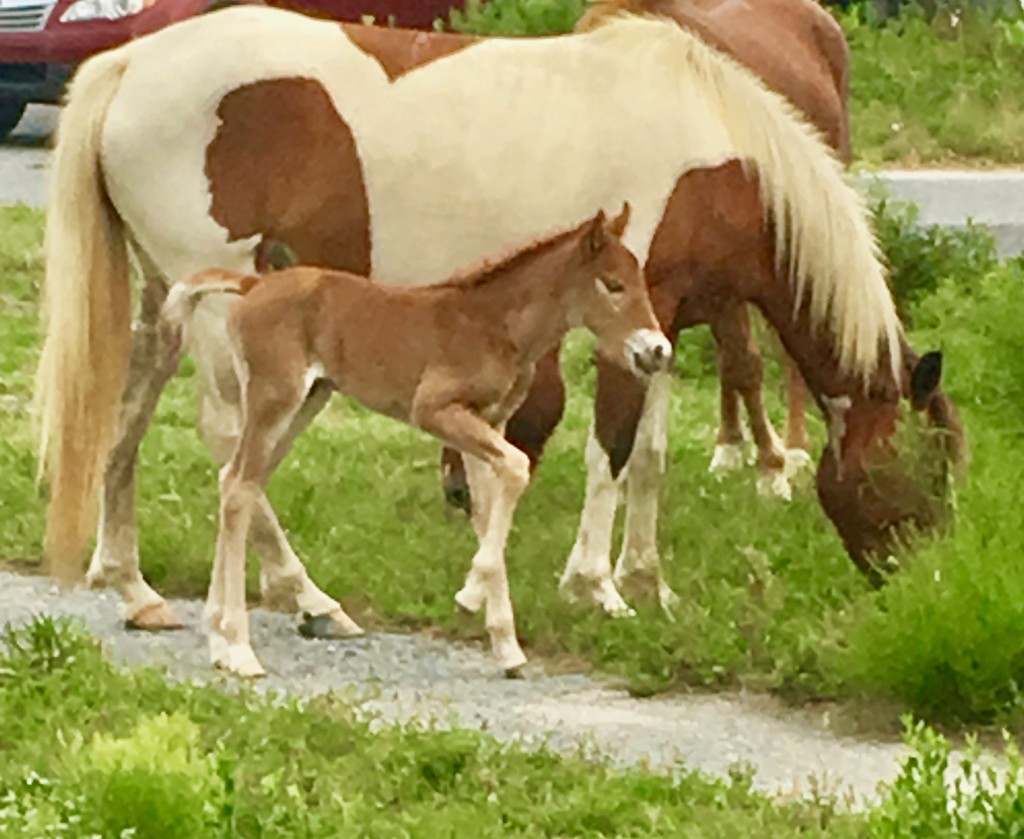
922, 91
92, 750
769, 599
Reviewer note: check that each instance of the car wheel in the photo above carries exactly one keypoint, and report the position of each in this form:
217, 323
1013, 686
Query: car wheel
11, 112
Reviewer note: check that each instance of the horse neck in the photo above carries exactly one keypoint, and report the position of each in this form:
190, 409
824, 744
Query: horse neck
533, 302
873, 400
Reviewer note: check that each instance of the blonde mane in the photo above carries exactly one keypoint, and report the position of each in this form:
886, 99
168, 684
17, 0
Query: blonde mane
821, 220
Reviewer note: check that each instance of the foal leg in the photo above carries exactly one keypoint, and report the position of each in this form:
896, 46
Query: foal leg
486, 450
529, 428
115, 562
272, 403
284, 582
743, 368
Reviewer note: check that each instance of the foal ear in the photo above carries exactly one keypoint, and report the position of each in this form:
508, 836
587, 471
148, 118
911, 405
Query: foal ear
924, 380
617, 225
594, 239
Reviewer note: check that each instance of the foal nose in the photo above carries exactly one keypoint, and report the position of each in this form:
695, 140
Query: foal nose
649, 351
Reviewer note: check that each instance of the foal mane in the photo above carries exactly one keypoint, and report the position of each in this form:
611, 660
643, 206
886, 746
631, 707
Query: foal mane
491, 268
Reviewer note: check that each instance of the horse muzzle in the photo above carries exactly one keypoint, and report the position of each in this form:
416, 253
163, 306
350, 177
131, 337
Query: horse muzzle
648, 351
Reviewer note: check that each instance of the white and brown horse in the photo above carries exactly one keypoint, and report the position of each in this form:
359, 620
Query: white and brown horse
405, 164
454, 358
799, 50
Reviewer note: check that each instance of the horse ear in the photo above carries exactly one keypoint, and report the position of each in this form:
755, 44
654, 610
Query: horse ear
924, 380
594, 239
618, 224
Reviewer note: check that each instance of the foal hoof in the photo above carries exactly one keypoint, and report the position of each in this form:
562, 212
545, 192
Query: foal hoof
156, 617
236, 658
775, 484
332, 625
515, 672
797, 460
469, 602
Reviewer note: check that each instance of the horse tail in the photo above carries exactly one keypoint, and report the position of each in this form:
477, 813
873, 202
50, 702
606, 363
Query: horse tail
183, 297
86, 312
821, 221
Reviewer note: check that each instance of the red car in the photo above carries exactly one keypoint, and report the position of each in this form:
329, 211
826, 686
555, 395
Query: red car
41, 41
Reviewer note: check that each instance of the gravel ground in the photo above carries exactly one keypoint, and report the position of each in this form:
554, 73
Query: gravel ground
405, 677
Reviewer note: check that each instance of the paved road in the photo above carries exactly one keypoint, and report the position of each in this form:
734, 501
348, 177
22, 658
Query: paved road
994, 198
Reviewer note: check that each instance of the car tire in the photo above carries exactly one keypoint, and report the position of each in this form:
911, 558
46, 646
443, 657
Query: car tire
11, 112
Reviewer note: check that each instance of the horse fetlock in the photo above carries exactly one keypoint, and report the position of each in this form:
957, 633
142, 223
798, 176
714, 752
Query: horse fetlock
638, 581
774, 484
728, 457
594, 590
505, 648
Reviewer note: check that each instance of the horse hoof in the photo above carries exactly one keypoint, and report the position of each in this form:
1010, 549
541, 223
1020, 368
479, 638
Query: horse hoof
470, 602
156, 617
775, 485
515, 672
579, 588
728, 457
240, 660
797, 460
332, 625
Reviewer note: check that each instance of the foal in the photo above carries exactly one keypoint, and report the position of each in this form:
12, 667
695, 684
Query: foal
455, 359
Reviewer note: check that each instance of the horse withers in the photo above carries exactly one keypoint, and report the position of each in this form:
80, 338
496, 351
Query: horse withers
455, 359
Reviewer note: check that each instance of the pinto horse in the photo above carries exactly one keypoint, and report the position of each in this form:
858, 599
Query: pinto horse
360, 153
454, 359
800, 51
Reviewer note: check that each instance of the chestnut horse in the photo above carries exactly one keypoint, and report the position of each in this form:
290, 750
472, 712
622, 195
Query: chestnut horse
800, 51
454, 359
403, 156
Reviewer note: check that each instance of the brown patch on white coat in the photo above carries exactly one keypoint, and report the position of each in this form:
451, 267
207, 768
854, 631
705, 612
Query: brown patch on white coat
460, 362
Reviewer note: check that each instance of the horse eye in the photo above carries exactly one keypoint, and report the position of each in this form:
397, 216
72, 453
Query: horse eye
613, 285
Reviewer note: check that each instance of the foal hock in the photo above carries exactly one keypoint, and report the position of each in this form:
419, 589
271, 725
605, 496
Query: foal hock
455, 359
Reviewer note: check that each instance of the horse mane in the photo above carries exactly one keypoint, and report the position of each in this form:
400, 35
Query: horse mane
493, 267
821, 221
597, 11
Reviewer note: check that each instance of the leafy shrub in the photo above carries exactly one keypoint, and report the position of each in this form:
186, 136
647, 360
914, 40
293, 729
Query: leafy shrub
518, 17
943, 637
920, 256
982, 802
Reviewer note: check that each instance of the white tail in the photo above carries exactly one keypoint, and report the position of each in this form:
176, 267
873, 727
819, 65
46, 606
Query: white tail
87, 318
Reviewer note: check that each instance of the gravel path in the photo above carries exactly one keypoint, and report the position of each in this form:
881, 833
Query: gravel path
403, 677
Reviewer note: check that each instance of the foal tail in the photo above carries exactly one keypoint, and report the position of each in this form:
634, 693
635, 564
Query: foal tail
183, 296
86, 311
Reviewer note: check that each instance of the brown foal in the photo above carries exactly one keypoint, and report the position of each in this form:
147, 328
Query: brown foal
454, 359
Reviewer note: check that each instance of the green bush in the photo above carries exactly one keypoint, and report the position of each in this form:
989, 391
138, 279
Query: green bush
943, 637
518, 17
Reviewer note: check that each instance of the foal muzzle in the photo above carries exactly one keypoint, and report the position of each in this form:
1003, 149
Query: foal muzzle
648, 351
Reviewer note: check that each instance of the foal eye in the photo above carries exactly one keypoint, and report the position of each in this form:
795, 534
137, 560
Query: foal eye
613, 285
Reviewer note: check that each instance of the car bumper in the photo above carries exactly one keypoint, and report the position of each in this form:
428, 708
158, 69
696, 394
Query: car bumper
72, 43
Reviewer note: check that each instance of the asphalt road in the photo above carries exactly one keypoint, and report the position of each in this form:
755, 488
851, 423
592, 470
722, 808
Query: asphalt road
994, 198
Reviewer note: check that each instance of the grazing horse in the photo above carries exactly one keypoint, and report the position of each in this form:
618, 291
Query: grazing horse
333, 141
454, 359
800, 51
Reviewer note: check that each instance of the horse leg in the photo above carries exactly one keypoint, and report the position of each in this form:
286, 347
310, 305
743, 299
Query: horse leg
742, 366
285, 584
529, 428
115, 562
493, 462
618, 407
729, 455
638, 570
798, 441
272, 403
